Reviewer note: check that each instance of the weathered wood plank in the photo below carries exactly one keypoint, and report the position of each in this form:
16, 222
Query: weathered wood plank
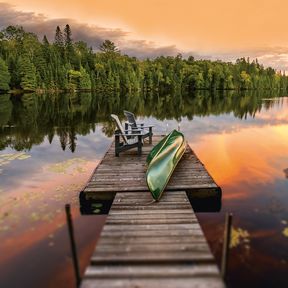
106, 248
149, 240
151, 271
150, 221
150, 257
185, 282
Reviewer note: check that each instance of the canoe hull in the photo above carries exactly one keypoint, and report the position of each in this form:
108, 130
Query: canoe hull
164, 159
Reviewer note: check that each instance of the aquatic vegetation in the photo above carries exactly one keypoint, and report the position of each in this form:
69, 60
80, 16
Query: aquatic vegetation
285, 232
286, 172
96, 207
239, 236
6, 159
69, 166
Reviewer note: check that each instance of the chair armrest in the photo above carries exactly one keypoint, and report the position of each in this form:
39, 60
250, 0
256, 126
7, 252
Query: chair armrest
134, 134
132, 130
146, 126
116, 133
137, 124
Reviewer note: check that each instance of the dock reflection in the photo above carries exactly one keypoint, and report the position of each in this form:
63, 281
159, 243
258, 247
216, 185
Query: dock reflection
95, 203
100, 203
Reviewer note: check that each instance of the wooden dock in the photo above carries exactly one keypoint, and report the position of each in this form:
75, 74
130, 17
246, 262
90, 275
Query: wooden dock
127, 174
146, 244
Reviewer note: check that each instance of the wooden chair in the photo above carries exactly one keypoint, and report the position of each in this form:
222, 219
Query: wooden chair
136, 126
130, 138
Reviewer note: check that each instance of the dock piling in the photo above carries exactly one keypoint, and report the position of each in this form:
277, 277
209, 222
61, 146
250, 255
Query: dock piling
73, 244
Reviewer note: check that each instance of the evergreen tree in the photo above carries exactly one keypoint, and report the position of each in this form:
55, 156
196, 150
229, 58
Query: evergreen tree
108, 47
67, 36
27, 73
58, 41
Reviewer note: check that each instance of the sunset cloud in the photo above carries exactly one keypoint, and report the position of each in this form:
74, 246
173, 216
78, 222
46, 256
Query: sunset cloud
94, 35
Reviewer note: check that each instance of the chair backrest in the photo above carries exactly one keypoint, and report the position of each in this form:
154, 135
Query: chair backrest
131, 118
120, 127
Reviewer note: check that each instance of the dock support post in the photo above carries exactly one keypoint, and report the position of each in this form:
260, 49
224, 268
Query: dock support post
73, 245
226, 243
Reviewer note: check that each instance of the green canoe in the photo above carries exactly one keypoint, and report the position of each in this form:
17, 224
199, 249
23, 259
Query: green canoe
162, 161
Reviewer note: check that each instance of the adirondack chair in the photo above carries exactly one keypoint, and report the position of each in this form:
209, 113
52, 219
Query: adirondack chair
130, 138
136, 126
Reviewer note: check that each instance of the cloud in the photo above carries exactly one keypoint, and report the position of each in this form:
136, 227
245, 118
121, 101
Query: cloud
276, 57
91, 34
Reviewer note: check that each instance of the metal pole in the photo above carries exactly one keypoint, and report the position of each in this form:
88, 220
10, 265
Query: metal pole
73, 245
226, 243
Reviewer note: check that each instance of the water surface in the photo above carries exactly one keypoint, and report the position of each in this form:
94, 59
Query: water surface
50, 145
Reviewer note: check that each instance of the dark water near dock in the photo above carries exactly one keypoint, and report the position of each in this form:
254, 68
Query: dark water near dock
241, 139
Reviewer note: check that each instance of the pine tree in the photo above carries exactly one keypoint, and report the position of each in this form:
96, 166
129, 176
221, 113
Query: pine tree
59, 38
4, 76
27, 73
67, 36
69, 49
109, 47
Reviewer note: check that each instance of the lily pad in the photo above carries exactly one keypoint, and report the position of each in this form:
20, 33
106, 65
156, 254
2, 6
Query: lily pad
6, 159
97, 205
239, 236
70, 165
96, 211
285, 232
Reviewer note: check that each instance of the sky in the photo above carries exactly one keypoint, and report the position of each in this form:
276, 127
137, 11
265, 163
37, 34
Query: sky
222, 29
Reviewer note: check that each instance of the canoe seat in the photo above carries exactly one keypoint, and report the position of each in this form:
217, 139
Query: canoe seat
127, 139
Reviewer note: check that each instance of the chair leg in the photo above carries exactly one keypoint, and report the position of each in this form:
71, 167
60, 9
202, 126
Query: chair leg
139, 145
117, 145
150, 135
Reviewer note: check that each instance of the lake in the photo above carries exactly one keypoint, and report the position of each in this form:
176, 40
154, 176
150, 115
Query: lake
50, 145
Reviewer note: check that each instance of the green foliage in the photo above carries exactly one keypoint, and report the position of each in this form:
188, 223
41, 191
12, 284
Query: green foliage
109, 47
65, 64
28, 73
4, 76
85, 82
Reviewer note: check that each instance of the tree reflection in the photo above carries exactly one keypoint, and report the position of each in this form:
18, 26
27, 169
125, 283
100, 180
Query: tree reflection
28, 119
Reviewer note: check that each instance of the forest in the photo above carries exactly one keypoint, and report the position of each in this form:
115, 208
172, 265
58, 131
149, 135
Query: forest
28, 64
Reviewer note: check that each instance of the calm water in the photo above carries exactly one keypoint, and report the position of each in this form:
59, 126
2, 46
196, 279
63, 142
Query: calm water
50, 144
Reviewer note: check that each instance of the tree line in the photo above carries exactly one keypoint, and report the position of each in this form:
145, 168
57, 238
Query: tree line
30, 65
